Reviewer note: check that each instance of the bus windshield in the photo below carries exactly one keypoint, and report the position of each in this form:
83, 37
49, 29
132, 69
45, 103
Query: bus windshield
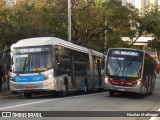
120, 66
31, 62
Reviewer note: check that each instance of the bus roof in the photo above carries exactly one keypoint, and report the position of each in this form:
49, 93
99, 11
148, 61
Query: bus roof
41, 41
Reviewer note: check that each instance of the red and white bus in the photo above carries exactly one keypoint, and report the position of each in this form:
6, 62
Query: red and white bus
129, 70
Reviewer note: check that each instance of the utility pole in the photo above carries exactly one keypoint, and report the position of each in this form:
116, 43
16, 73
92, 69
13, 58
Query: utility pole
69, 39
69, 20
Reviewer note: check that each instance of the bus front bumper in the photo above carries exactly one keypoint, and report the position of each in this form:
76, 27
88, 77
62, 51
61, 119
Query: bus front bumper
30, 87
134, 89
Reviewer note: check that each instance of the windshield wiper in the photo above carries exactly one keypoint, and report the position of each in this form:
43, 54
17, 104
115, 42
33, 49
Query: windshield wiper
131, 61
119, 71
118, 62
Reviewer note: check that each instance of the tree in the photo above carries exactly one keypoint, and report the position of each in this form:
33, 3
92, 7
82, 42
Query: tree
6, 27
150, 23
33, 19
121, 20
37, 18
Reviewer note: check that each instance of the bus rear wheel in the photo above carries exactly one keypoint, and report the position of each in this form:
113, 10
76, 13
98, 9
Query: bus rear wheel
27, 94
153, 84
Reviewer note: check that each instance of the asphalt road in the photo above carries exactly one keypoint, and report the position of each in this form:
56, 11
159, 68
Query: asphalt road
99, 101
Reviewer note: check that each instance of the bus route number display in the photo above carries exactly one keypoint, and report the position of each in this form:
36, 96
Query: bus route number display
27, 50
128, 53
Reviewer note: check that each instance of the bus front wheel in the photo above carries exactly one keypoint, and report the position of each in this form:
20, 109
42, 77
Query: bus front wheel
63, 92
27, 94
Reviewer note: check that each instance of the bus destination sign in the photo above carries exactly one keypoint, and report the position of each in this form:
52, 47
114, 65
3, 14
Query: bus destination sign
129, 53
28, 50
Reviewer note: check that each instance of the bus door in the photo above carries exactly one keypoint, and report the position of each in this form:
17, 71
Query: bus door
99, 73
91, 69
72, 67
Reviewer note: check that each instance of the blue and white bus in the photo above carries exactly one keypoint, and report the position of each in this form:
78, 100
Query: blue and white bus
49, 64
129, 70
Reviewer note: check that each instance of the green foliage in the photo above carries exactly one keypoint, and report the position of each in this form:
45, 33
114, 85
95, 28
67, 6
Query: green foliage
39, 18
24, 20
150, 24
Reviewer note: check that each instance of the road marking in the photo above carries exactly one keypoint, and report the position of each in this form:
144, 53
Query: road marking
154, 118
30, 103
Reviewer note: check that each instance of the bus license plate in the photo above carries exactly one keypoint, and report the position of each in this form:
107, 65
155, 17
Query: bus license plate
121, 89
29, 88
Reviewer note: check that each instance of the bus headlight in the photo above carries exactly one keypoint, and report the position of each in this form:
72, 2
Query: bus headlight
12, 79
49, 76
106, 79
138, 82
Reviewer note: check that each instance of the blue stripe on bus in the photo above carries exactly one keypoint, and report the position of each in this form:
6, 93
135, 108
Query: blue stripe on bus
35, 78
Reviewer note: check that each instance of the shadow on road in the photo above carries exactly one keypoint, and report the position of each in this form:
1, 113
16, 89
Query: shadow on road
42, 96
129, 95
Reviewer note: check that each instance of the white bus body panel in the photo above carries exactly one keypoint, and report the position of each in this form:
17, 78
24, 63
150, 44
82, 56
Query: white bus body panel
55, 83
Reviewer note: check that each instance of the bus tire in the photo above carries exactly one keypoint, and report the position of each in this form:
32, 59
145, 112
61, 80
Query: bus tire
62, 93
27, 94
153, 84
65, 88
111, 93
66, 84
